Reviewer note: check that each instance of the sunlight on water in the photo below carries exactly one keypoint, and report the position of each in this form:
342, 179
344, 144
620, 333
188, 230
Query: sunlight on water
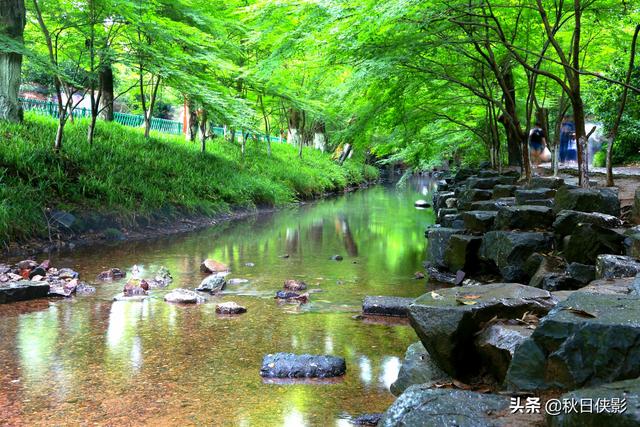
89, 360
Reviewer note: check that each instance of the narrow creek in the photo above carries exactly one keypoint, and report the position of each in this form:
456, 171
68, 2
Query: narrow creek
90, 360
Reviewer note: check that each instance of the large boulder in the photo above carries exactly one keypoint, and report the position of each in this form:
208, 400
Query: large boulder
446, 320
22, 290
587, 339
492, 205
462, 253
497, 343
386, 306
524, 218
581, 273
417, 368
603, 200
588, 241
632, 242
421, 406
213, 266
470, 195
183, 296
212, 283
440, 199
614, 404
509, 250
289, 365
489, 183
525, 195
621, 286
504, 190
547, 265
438, 238
444, 212
613, 266
567, 220
553, 182
453, 221
479, 221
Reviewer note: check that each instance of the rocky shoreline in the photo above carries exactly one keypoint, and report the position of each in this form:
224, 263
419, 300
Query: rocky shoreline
541, 322
93, 228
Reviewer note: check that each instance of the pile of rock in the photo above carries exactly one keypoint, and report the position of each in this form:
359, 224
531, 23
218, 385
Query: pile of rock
562, 316
30, 279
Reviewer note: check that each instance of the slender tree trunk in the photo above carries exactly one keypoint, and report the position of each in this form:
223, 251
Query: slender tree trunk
155, 84
623, 103
203, 131
62, 121
106, 88
319, 136
12, 22
192, 121
92, 129
514, 140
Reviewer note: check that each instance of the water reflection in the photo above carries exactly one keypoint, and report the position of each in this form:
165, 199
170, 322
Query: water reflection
193, 367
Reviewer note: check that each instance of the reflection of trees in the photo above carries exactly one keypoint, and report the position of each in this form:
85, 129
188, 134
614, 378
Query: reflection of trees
342, 228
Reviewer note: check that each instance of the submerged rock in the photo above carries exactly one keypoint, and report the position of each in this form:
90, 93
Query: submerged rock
294, 285
161, 279
447, 319
183, 296
421, 203
613, 266
110, 274
292, 296
212, 266
587, 339
22, 290
367, 419
237, 281
509, 250
336, 258
289, 365
386, 306
212, 283
230, 308
417, 368
423, 406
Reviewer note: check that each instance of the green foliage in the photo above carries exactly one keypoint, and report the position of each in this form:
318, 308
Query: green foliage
122, 174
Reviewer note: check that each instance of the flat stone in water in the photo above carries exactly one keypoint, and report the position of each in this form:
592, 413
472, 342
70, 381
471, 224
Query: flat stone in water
22, 290
386, 306
212, 283
183, 296
230, 308
289, 365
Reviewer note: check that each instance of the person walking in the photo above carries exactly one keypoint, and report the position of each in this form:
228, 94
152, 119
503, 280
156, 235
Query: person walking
537, 144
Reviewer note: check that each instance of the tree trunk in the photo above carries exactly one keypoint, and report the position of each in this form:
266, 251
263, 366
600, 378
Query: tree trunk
293, 135
192, 121
514, 140
92, 129
106, 87
203, 131
57, 146
623, 103
12, 22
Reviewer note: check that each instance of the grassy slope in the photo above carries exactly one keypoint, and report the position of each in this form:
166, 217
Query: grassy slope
125, 175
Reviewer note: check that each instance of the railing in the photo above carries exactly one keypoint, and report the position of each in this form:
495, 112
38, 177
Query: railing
161, 125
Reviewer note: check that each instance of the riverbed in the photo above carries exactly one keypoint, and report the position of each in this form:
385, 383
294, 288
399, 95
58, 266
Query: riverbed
89, 360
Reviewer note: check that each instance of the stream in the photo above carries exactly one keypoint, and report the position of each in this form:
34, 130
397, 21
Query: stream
88, 360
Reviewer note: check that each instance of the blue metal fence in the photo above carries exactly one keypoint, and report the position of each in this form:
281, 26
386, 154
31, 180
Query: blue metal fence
161, 125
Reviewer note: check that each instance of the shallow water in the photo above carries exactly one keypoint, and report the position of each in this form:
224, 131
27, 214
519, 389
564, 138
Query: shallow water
88, 360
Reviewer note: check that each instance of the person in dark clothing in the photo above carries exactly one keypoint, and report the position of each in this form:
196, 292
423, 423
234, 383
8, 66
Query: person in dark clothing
566, 131
537, 144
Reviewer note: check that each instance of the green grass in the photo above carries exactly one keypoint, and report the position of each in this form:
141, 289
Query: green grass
125, 176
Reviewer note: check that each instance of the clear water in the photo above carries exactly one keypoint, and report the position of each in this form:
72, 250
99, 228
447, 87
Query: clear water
88, 360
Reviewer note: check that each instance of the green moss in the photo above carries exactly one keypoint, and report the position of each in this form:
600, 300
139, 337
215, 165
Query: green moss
126, 175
